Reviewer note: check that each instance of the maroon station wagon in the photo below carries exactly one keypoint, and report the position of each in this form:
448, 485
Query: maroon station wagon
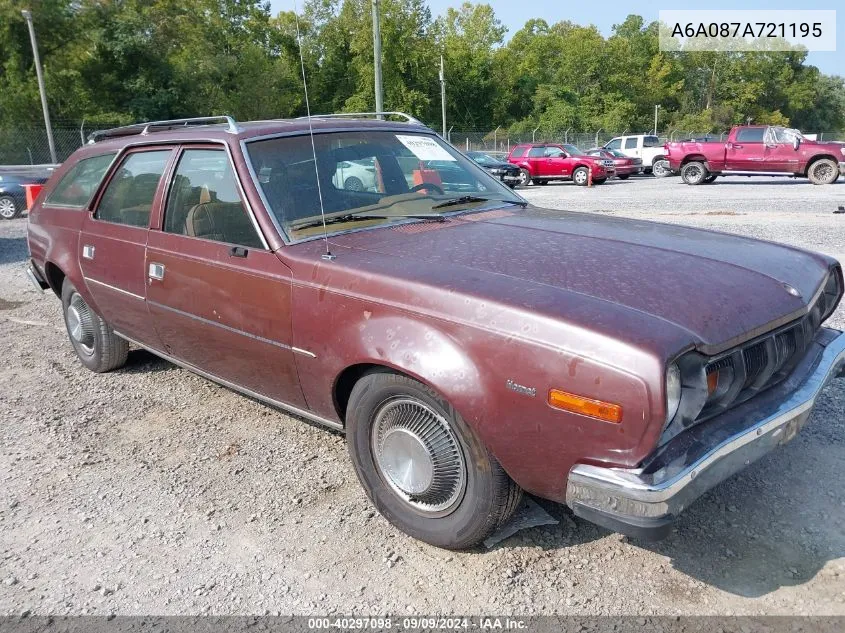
470, 345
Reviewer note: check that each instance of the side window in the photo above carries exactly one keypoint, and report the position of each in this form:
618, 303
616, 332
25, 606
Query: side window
128, 198
631, 142
204, 200
652, 141
78, 185
518, 152
751, 135
555, 152
536, 152
615, 144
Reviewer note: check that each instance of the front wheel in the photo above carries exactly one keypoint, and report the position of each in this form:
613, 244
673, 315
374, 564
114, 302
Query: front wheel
353, 183
694, 173
581, 176
9, 209
422, 466
524, 177
660, 168
823, 172
94, 342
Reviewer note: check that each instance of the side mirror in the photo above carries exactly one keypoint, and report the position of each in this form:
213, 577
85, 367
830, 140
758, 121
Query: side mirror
796, 143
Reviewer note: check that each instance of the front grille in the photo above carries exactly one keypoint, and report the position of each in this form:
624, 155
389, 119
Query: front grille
755, 359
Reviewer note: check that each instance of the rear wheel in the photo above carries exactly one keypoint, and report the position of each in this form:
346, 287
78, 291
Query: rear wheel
581, 175
623, 176
524, 177
9, 209
422, 466
660, 168
823, 172
694, 173
94, 342
353, 183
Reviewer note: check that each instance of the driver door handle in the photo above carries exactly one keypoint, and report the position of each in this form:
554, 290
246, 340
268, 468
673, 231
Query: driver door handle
156, 271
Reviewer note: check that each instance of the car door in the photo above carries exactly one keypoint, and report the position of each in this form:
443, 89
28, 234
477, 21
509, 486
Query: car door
779, 154
113, 240
219, 298
556, 163
537, 161
745, 152
631, 147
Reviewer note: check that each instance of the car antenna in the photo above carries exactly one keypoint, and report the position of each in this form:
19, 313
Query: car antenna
328, 254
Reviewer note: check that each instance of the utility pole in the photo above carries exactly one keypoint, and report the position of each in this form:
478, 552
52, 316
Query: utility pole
28, 16
377, 56
443, 94
656, 108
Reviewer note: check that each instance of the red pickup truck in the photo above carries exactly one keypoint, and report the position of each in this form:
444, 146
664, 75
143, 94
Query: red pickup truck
757, 150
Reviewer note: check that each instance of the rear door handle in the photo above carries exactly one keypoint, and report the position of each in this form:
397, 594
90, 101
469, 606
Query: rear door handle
88, 252
156, 271
737, 146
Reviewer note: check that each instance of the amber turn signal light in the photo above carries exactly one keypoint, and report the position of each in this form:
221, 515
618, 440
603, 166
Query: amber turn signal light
585, 406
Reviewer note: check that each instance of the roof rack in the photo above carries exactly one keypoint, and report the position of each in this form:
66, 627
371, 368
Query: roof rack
408, 118
145, 128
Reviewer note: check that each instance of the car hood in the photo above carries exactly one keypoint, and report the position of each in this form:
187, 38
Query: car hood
712, 289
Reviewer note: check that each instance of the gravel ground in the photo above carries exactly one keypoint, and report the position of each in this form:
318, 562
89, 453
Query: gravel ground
153, 491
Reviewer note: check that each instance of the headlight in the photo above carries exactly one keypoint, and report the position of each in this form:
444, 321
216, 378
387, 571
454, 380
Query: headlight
673, 391
830, 295
842, 149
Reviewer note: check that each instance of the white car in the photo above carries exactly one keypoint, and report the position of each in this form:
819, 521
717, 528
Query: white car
357, 175
646, 147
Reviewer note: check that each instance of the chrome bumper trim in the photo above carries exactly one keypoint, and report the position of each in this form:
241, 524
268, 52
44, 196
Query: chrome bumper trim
629, 497
33, 278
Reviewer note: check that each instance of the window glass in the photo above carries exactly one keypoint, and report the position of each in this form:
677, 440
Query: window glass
204, 200
631, 143
519, 152
751, 134
397, 174
555, 152
651, 141
78, 185
614, 144
536, 152
128, 198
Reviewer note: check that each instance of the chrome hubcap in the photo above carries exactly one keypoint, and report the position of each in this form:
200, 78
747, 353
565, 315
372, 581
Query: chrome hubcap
7, 208
580, 177
659, 168
80, 323
523, 178
823, 171
418, 456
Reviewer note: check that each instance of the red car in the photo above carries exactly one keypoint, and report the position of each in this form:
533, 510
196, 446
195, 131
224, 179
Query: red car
470, 346
625, 165
757, 150
540, 163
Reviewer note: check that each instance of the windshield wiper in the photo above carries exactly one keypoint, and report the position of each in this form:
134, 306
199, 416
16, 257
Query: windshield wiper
352, 217
456, 201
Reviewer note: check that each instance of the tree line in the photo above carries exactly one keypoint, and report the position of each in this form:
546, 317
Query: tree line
121, 61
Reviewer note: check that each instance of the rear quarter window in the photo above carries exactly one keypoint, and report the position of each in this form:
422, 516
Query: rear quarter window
651, 141
518, 152
78, 185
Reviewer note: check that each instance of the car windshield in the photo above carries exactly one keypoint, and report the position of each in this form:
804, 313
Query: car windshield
366, 179
617, 153
572, 150
483, 159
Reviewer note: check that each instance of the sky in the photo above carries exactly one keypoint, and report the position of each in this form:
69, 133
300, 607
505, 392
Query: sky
514, 13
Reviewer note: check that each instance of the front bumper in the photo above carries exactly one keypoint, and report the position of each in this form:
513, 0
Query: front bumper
842, 166
35, 277
644, 502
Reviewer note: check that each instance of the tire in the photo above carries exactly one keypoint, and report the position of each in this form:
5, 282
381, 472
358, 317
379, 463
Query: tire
94, 342
539, 182
580, 176
694, 173
823, 172
524, 177
710, 178
473, 495
353, 183
660, 168
623, 176
9, 209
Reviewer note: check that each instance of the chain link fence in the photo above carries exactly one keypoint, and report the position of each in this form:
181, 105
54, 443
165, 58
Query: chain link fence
29, 146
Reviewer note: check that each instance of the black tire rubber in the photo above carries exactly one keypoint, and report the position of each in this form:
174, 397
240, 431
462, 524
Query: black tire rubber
830, 169
490, 498
710, 178
623, 176
525, 177
17, 209
599, 181
109, 351
694, 173
586, 178
353, 183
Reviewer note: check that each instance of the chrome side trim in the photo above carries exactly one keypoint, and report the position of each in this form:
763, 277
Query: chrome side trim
220, 325
629, 495
30, 274
313, 417
115, 288
304, 352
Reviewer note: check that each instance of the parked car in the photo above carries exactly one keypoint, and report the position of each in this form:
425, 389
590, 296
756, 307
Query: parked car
469, 345
540, 163
503, 170
355, 175
13, 194
646, 147
757, 150
625, 165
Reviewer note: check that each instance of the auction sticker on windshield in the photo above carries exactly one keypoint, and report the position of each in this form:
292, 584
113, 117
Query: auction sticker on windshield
425, 148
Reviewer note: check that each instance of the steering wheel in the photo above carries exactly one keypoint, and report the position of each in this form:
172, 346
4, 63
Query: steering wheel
427, 185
